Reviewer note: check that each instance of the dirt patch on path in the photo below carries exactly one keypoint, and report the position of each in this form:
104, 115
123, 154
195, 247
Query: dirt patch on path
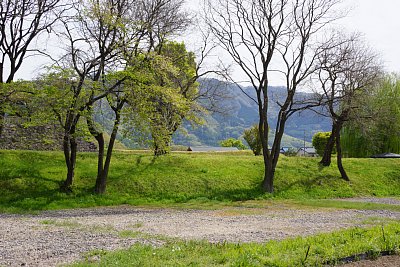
387, 261
58, 237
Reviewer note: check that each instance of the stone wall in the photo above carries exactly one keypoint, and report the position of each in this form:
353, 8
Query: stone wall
49, 137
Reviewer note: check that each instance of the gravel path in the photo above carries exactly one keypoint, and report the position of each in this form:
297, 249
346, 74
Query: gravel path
388, 261
389, 201
58, 237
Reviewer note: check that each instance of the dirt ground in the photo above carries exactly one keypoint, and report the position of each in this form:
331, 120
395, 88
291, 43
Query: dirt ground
61, 237
387, 261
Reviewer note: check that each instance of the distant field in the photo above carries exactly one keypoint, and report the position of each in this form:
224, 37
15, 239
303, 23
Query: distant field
29, 180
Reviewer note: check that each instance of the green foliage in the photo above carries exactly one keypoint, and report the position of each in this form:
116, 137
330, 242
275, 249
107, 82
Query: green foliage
56, 97
232, 142
139, 178
252, 137
174, 76
291, 152
319, 142
379, 132
15, 98
322, 249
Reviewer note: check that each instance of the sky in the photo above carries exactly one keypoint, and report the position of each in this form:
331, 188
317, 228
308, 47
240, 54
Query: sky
378, 21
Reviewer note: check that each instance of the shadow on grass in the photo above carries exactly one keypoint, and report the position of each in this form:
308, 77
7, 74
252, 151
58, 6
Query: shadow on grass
240, 194
142, 166
320, 181
25, 192
229, 195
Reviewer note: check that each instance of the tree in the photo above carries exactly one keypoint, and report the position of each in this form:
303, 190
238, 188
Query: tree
137, 34
232, 142
319, 142
376, 129
252, 137
94, 33
346, 70
183, 80
261, 35
21, 22
180, 78
63, 94
14, 98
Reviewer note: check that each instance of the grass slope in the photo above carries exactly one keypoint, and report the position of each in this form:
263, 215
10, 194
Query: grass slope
29, 180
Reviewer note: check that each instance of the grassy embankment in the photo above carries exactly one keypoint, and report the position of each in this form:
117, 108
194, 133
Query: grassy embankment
29, 180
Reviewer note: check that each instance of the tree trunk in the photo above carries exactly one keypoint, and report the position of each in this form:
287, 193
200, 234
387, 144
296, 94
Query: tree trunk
70, 150
269, 173
2, 123
339, 159
268, 181
160, 150
327, 157
101, 181
100, 144
100, 156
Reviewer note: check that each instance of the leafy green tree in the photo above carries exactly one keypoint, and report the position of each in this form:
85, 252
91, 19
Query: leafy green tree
62, 96
320, 140
179, 77
93, 34
232, 142
131, 41
252, 137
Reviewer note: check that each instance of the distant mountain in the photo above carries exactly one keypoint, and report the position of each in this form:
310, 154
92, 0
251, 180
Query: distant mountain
241, 112
237, 112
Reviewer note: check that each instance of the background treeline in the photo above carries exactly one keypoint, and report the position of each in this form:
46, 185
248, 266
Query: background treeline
378, 128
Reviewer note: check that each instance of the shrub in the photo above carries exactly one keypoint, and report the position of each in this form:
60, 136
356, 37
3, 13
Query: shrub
252, 137
319, 142
232, 142
291, 152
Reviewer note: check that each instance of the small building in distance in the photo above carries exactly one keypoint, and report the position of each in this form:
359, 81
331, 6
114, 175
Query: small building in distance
386, 156
307, 152
285, 149
211, 149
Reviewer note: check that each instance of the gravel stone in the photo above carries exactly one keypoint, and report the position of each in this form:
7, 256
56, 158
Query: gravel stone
389, 201
62, 237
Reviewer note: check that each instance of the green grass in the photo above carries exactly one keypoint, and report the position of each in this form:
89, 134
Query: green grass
29, 180
63, 223
322, 249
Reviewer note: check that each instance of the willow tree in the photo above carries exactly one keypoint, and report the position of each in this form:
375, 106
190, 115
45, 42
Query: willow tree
265, 37
376, 129
346, 70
